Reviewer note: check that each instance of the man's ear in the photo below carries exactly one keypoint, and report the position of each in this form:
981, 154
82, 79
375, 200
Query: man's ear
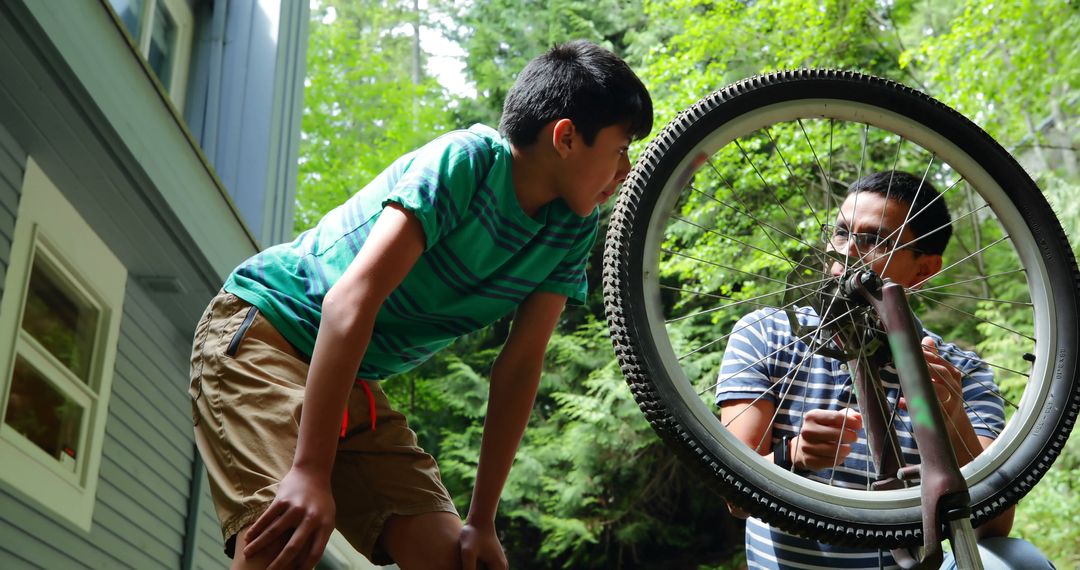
562, 137
927, 266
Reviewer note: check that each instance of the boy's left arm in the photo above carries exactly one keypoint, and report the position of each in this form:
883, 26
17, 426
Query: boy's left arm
515, 377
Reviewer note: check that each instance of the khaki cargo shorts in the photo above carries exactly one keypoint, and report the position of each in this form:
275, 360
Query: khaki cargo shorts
247, 390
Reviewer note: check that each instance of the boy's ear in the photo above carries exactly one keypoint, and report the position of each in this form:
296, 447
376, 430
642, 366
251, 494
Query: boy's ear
562, 137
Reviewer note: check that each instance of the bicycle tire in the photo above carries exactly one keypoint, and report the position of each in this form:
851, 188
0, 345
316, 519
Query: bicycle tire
632, 301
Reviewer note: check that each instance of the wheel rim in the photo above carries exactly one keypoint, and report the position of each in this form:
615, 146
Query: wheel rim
1026, 249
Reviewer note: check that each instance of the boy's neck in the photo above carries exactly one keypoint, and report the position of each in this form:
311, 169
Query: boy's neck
532, 173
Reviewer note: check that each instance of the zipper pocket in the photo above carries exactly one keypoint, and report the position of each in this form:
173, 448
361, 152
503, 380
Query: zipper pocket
234, 344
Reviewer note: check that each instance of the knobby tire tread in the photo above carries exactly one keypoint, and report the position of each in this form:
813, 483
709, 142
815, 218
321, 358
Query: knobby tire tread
622, 257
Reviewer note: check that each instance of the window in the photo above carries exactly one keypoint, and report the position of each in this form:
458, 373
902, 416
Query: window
61, 309
162, 31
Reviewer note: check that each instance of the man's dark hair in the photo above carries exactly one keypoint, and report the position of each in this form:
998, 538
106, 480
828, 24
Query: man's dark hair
930, 219
580, 81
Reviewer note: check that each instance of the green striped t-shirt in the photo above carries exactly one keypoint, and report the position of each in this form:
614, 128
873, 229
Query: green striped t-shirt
483, 255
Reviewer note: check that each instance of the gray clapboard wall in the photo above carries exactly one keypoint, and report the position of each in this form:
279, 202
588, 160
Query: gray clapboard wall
76, 98
140, 513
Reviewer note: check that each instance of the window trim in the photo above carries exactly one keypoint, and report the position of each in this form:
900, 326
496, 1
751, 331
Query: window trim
181, 12
49, 224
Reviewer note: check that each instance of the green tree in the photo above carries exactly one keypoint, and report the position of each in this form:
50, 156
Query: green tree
363, 107
593, 486
501, 36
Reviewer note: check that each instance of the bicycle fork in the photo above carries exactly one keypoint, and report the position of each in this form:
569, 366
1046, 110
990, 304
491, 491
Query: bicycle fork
945, 496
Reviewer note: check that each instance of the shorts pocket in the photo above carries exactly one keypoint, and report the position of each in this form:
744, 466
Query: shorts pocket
234, 344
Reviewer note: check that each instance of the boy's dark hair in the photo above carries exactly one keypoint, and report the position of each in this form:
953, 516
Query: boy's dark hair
580, 81
930, 222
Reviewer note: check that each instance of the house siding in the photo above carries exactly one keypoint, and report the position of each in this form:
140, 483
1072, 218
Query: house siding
139, 516
78, 101
12, 159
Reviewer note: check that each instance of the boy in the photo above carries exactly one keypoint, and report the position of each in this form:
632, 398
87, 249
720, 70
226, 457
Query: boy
761, 398
444, 242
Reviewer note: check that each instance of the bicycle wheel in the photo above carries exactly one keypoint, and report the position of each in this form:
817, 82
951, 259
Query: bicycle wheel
721, 215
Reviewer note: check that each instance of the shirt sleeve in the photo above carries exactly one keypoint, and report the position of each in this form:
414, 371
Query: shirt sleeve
744, 371
569, 277
440, 180
983, 402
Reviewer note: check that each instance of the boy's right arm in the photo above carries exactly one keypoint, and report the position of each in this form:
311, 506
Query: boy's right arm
304, 505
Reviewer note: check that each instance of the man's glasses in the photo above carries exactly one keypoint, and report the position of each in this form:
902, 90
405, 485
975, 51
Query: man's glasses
865, 243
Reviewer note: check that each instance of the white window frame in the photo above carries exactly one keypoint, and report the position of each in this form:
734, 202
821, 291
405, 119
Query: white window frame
49, 225
180, 10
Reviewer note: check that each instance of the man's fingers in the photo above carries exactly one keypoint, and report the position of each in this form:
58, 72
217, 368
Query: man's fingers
835, 418
816, 458
831, 420
853, 420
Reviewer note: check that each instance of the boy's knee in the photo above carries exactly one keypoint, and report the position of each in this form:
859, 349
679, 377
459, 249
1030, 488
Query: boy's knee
429, 540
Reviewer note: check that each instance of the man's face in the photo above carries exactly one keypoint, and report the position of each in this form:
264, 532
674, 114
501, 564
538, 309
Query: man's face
870, 214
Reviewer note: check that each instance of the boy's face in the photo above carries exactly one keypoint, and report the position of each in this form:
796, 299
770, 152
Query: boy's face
595, 172
871, 214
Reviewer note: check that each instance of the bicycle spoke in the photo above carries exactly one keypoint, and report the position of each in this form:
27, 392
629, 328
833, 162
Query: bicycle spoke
787, 165
773, 353
746, 212
737, 303
817, 161
762, 178
721, 266
962, 260
725, 337
791, 371
847, 405
974, 316
918, 293
908, 217
793, 263
973, 279
895, 233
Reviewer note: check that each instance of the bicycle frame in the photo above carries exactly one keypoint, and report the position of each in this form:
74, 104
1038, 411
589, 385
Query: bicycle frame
945, 496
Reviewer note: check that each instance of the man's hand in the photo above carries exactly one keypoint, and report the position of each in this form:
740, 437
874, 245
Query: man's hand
303, 512
825, 440
948, 381
480, 548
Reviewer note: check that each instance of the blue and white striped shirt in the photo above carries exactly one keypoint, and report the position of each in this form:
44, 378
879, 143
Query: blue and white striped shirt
765, 359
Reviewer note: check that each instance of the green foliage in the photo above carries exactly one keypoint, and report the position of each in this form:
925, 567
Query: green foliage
501, 36
713, 43
362, 108
1050, 514
592, 486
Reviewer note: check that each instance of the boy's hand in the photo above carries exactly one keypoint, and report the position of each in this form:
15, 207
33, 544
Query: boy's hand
303, 512
825, 439
480, 548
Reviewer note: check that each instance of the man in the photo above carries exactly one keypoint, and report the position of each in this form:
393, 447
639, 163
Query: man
895, 224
